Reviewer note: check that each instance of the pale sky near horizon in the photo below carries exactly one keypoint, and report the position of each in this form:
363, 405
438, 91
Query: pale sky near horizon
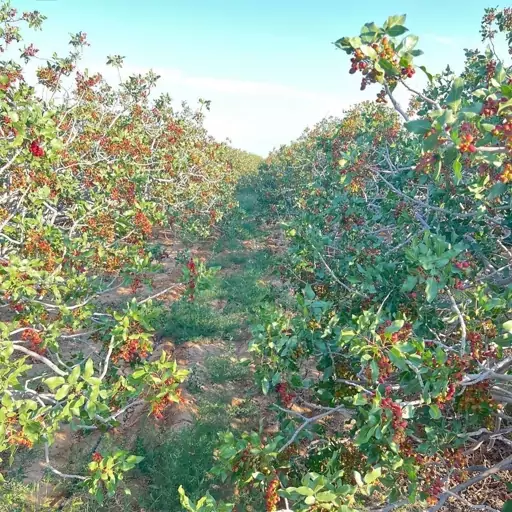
268, 66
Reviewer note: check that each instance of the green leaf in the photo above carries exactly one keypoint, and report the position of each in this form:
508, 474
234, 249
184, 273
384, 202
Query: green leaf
434, 411
89, 369
406, 60
348, 42
507, 326
137, 374
56, 144
369, 31
369, 51
487, 127
309, 293
358, 478
394, 21
373, 475
506, 90
418, 126
496, 190
74, 375
431, 142
450, 155
396, 30
62, 392
374, 369
326, 496
395, 326
134, 459
457, 169
430, 76
310, 500
304, 491
54, 382
408, 44
360, 399
409, 284
99, 495
396, 358
454, 98
387, 66
397, 19
431, 289
508, 506
504, 106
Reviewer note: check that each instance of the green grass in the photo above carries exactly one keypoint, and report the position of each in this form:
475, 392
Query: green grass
184, 458
14, 496
17, 496
222, 369
196, 320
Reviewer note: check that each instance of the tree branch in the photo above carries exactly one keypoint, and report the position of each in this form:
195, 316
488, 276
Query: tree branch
461, 321
313, 419
41, 358
56, 471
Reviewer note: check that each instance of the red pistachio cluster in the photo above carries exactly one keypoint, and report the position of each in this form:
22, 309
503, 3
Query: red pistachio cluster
477, 345
506, 175
477, 398
36, 149
402, 334
397, 422
97, 457
158, 407
285, 396
446, 397
271, 496
34, 338
462, 265
490, 107
143, 223
192, 281
136, 284
466, 145
385, 368
435, 488
19, 439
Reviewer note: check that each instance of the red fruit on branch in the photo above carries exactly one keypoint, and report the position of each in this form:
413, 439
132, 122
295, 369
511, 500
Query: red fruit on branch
191, 266
285, 397
36, 149
466, 145
271, 496
97, 457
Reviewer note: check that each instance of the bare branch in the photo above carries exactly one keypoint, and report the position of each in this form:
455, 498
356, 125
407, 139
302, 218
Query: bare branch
422, 96
56, 471
41, 358
456, 309
340, 409
397, 106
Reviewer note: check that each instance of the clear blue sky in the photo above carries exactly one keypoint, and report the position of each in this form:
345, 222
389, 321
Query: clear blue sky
267, 65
